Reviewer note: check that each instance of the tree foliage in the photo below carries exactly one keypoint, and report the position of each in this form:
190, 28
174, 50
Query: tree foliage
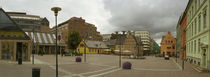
73, 39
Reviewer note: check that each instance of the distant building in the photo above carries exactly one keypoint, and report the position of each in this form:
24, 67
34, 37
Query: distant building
93, 47
106, 37
168, 45
145, 38
156, 48
86, 30
128, 45
14, 43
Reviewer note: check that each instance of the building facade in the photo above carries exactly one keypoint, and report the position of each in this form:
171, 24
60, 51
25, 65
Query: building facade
145, 38
14, 43
93, 47
86, 30
178, 39
128, 45
168, 45
197, 32
37, 28
156, 48
181, 36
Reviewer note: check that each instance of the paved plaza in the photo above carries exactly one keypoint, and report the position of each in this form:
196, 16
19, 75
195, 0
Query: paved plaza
100, 66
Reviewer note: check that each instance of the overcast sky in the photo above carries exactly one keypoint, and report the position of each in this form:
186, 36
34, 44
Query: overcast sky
157, 16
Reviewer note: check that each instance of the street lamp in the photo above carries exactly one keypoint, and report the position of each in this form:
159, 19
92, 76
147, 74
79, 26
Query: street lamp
56, 9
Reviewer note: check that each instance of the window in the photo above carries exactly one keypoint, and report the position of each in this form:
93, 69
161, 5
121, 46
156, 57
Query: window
195, 25
195, 5
201, 1
199, 42
195, 46
204, 19
168, 47
199, 23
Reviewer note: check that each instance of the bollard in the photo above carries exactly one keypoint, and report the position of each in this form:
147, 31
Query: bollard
78, 59
19, 61
127, 65
35, 72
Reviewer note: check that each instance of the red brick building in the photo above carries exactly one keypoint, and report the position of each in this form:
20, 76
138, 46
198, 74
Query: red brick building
86, 30
183, 23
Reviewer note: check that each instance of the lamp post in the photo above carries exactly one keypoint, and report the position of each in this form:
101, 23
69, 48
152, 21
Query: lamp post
33, 50
120, 40
56, 9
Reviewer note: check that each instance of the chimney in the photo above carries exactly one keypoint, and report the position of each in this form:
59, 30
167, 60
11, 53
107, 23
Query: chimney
116, 32
169, 32
123, 32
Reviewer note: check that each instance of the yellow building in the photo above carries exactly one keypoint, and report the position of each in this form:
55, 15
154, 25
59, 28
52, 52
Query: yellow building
14, 43
93, 47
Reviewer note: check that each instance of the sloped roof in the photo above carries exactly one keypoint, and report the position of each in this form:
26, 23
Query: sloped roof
110, 42
44, 38
7, 24
95, 44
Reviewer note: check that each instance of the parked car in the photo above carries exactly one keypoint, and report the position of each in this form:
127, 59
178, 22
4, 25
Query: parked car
166, 57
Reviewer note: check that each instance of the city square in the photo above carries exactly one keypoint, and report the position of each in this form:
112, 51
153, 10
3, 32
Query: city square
100, 65
105, 38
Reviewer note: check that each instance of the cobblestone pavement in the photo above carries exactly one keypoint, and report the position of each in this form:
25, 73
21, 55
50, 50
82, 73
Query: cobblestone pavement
100, 66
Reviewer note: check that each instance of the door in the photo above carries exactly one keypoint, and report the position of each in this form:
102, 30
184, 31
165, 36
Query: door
204, 58
19, 50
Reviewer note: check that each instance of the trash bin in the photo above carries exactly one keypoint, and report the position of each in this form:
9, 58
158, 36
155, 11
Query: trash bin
35, 72
19, 61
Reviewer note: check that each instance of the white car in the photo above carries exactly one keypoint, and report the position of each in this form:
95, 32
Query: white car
166, 57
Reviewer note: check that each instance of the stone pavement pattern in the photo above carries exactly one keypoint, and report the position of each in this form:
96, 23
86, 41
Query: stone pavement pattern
100, 66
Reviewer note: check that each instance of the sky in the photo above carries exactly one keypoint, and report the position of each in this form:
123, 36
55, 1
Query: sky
156, 16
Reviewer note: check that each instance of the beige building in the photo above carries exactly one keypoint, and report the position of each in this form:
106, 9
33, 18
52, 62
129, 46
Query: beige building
129, 45
145, 38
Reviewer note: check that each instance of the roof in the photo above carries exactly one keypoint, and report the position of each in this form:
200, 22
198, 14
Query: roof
95, 44
110, 42
43, 38
7, 24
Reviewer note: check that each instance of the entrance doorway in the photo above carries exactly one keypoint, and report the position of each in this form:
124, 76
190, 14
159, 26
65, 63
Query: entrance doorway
204, 58
19, 50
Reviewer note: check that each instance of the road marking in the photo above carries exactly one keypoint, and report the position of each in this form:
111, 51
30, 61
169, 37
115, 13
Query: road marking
97, 71
96, 75
69, 74
156, 69
179, 66
100, 64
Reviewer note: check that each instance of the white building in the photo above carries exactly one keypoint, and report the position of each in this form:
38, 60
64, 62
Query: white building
145, 38
106, 37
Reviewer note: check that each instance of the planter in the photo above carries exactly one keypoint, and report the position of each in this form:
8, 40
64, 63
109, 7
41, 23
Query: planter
127, 65
78, 59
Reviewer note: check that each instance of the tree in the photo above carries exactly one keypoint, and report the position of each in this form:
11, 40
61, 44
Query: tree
73, 40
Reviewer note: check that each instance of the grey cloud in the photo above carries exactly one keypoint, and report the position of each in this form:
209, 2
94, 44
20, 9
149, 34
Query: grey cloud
157, 16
